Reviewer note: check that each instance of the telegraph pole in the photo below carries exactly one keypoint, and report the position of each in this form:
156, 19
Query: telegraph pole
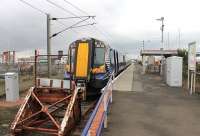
48, 44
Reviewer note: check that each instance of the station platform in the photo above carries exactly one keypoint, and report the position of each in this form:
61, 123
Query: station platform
124, 82
151, 108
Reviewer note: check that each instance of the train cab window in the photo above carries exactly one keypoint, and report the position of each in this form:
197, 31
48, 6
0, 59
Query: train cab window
99, 56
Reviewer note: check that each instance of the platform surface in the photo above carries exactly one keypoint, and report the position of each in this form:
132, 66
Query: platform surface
124, 82
153, 109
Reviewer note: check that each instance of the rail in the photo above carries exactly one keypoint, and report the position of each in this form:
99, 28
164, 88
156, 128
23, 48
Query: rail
98, 118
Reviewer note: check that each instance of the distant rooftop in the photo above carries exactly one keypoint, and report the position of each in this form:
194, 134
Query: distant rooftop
158, 52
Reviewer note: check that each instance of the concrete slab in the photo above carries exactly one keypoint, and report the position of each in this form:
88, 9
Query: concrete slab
124, 81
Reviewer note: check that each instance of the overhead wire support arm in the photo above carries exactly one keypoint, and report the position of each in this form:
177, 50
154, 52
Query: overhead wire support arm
68, 27
78, 17
71, 27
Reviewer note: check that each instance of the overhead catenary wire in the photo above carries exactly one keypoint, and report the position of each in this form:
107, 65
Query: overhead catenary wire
73, 14
39, 10
63, 24
72, 26
76, 7
53, 18
101, 30
64, 9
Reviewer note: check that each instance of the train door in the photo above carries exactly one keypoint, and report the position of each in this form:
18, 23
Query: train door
82, 63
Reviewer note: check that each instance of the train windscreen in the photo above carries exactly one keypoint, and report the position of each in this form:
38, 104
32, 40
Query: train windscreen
99, 57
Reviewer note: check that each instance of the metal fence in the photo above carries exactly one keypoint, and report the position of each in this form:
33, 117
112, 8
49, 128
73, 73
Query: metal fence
27, 71
4, 67
57, 67
98, 119
2, 86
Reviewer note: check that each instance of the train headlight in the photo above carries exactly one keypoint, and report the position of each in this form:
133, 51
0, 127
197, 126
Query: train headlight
100, 69
67, 67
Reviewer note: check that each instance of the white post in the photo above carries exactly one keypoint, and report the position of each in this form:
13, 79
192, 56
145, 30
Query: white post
194, 81
188, 79
191, 84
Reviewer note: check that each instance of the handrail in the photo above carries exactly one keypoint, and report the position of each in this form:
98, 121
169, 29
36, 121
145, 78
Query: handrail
89, 122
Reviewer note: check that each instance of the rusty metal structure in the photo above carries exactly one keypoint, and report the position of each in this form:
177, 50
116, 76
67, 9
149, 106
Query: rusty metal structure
52, 106
58, 111
48, 110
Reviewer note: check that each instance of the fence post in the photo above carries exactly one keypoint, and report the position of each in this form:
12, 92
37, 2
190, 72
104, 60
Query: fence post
111, 94
105, 109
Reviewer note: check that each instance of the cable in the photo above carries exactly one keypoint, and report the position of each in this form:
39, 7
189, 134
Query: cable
61, 23
64, 9
39, 10
69, 27
100, 31
58, 6
72, 26
76, 7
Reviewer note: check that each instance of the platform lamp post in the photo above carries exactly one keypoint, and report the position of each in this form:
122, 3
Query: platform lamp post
162, 43
162, 29
143, 42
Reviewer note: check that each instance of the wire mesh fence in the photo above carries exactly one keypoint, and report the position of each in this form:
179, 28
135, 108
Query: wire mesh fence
25, 74
56, 68
27, 71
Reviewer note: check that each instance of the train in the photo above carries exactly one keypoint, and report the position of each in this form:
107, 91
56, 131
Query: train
92, 61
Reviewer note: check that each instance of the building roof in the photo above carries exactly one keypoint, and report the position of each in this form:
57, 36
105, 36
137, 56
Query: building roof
158, 52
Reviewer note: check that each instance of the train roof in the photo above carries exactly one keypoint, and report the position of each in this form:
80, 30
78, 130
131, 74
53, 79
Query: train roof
90, 38
96, 40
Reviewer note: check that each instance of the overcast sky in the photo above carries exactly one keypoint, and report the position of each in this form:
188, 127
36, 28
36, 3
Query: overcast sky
121, 23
